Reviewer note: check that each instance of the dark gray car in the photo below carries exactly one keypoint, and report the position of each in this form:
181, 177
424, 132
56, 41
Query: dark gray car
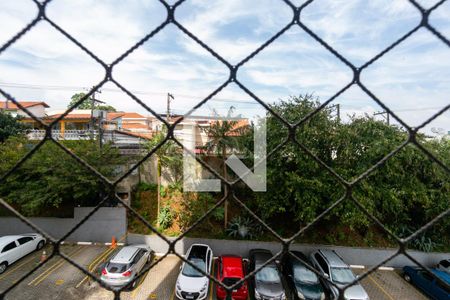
267, 284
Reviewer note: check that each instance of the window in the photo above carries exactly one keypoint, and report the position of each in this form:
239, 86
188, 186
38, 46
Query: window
138, 256
268, 274
426, 276
24, 240
322, 263
445, 263
8, 247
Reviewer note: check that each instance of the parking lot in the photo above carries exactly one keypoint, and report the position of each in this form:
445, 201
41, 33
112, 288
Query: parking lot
57, 279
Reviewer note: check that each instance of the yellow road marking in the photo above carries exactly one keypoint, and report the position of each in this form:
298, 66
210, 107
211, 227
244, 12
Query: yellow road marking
59, 281
211, 282
53, 268
16, 267
152, 296
380, 287
97, 261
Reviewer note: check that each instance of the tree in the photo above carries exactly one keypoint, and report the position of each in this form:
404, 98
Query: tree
10, 126
168, 156
87, 104
408, 190
221, 139
51, 178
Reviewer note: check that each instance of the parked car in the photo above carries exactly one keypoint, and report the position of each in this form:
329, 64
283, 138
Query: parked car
267, 282
14, 247
444, 265
333, 267
230, 269
427, 283
192, 284
125, 265
303, 283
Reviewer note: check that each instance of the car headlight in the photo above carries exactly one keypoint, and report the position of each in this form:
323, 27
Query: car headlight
178, 286
257, 295
322, 297
283, 296
300, 296
204, 287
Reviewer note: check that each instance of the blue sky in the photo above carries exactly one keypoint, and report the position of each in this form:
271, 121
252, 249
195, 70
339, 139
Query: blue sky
413, 79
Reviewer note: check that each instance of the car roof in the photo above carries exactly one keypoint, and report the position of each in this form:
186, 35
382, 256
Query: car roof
125, 254
333, 259
9, 238
443, 275
232, 266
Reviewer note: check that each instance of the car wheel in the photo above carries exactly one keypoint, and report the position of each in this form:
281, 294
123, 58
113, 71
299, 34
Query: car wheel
407, 277
3, 267
40, 245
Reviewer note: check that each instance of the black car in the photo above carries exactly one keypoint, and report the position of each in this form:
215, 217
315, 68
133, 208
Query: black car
267, 283
302, 282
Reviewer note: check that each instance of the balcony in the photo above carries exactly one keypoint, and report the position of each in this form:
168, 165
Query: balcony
71, 135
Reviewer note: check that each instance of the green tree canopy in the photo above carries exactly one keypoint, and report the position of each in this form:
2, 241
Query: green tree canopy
51, 178
9, 126
408, 190
87, 104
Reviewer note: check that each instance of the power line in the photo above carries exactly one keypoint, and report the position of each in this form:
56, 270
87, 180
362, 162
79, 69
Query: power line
116, 90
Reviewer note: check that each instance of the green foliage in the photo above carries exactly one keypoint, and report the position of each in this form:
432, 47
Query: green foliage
87, 103
408, 189
146, 186
165, 218
50, 177
170, 155
244, 228
9, 126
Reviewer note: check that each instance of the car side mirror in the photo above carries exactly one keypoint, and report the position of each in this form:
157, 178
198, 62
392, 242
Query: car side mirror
326, 275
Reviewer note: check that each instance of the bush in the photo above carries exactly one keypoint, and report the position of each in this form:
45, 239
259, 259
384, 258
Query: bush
244, 228
146, 186
165, 218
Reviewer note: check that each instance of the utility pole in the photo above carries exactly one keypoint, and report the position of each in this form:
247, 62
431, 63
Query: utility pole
169, 97
338, 111
93, 101
385, 115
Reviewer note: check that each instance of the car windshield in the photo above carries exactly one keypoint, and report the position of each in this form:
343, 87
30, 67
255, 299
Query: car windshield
189, 271
268, 274
342, 275
116, 267
303, 274
229, 281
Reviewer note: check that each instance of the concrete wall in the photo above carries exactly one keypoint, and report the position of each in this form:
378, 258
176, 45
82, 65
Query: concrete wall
353, 256
100, 227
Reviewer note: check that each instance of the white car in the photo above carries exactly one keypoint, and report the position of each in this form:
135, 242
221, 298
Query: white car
444, 266
14, 247
191, 284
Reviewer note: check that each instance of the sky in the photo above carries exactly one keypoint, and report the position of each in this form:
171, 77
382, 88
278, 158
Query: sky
413, 79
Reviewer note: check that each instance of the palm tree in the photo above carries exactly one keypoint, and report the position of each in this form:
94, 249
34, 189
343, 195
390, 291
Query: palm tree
221, 139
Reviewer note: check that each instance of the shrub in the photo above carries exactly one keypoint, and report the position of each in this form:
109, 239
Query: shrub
244, 228
165, 218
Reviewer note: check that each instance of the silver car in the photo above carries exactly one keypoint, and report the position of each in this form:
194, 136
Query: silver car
333, 267
125, 265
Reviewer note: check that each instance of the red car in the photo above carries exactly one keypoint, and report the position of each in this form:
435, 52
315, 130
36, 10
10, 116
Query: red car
230, 269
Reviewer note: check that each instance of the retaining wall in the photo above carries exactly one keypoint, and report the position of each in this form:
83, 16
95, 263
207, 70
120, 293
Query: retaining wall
100, 227
352, 255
